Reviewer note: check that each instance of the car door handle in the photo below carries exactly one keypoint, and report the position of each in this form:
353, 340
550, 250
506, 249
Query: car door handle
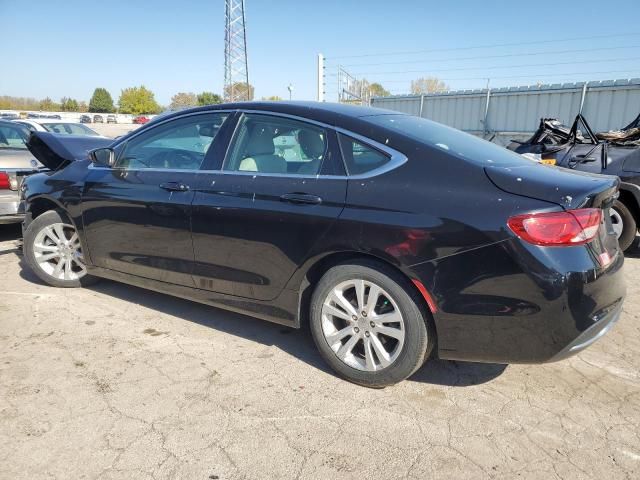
174, 186
301, 198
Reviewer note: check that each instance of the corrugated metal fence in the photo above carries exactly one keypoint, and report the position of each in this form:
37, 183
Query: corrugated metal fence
515, 112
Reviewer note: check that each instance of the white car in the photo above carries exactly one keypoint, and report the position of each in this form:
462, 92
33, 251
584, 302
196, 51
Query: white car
54, 125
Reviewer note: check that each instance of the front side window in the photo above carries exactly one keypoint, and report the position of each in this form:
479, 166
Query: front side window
276, 145
180, 144
360, 158
13, 136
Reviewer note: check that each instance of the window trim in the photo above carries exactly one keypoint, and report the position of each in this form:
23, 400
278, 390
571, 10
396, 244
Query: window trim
396, 158
126, 140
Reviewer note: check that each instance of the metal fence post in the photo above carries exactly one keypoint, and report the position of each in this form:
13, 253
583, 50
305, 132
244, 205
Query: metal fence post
485, 129
421, 104
584, 94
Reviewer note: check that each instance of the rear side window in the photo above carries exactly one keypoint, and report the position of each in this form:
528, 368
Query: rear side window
360, 158
275, 145
450, 140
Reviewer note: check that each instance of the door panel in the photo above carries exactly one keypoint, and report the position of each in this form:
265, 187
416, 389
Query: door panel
132, 225
256, 221
137, 216
248, 241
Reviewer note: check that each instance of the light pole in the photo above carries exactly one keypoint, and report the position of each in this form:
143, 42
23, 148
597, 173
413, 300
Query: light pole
290, 88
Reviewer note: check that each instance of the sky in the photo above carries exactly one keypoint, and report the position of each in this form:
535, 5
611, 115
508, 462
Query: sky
70, 47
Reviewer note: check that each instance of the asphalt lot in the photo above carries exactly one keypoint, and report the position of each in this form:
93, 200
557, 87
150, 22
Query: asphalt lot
113, 129
117, 382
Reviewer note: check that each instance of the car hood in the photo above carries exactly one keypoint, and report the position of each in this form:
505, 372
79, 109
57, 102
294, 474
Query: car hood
12, 159
56, 151
568, 188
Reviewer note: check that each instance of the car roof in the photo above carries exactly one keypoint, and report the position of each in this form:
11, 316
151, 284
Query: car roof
330, 113
40, 121
8, 123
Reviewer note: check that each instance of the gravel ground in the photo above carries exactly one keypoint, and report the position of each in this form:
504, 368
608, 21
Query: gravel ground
116, 382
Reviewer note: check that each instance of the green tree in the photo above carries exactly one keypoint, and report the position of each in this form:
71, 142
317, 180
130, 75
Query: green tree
239, 91
209, 98
377, 90
101, 101
68, 104
138, 101
183, 100
83, 107
428, 85
49, 105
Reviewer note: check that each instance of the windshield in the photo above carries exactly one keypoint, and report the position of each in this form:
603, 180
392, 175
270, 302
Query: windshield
69, 129
13, 136
450, 140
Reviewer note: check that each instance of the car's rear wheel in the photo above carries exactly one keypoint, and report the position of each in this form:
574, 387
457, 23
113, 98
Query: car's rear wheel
623, 224
369, 324
53, 251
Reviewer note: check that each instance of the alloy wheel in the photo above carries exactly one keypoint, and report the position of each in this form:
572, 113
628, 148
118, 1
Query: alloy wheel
363, 325
616, 222
58, 252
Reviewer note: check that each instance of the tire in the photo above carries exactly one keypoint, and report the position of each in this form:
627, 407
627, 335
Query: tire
411, 340
620, 213
44, 251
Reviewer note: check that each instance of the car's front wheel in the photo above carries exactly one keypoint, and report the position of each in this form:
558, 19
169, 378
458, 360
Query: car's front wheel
52, 249
369, 324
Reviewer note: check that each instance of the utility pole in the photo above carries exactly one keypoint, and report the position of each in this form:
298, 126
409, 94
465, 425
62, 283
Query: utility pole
236, 69
320, 95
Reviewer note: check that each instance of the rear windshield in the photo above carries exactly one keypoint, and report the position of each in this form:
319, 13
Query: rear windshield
450, 140
69, 129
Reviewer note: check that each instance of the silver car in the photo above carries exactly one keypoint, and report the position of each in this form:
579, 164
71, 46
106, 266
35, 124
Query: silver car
15, 162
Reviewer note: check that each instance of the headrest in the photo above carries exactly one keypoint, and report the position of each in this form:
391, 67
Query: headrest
311, 143
260, 143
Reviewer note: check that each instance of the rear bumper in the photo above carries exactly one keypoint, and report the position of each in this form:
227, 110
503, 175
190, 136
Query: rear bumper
506, 303
9, 208
603, 321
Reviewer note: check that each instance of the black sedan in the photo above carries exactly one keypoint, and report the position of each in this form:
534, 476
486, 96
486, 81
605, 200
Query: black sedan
393, 237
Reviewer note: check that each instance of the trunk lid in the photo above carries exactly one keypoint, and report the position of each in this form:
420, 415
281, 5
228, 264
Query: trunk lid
568, 188
56, 151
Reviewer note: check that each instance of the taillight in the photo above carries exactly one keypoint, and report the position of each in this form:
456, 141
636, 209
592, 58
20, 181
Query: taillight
574, 227
5, 183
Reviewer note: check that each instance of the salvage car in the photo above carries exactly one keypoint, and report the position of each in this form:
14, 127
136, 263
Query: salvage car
15, 162
393, 237
63, 127
612, 153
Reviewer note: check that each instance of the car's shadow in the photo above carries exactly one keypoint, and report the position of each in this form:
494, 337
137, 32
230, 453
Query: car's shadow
295, 342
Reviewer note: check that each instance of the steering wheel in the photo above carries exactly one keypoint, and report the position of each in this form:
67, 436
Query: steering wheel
174, 159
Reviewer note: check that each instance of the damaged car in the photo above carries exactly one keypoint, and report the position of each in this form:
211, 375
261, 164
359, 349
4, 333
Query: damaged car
612, 153
394, 238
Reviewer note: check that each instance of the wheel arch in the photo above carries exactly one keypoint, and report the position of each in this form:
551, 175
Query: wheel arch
42, 204
318, 267
630, 196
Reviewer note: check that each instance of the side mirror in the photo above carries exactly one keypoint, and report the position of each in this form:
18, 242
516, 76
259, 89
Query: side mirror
103, 157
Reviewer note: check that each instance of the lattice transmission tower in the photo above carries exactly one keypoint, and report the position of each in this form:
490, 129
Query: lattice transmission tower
236, 70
